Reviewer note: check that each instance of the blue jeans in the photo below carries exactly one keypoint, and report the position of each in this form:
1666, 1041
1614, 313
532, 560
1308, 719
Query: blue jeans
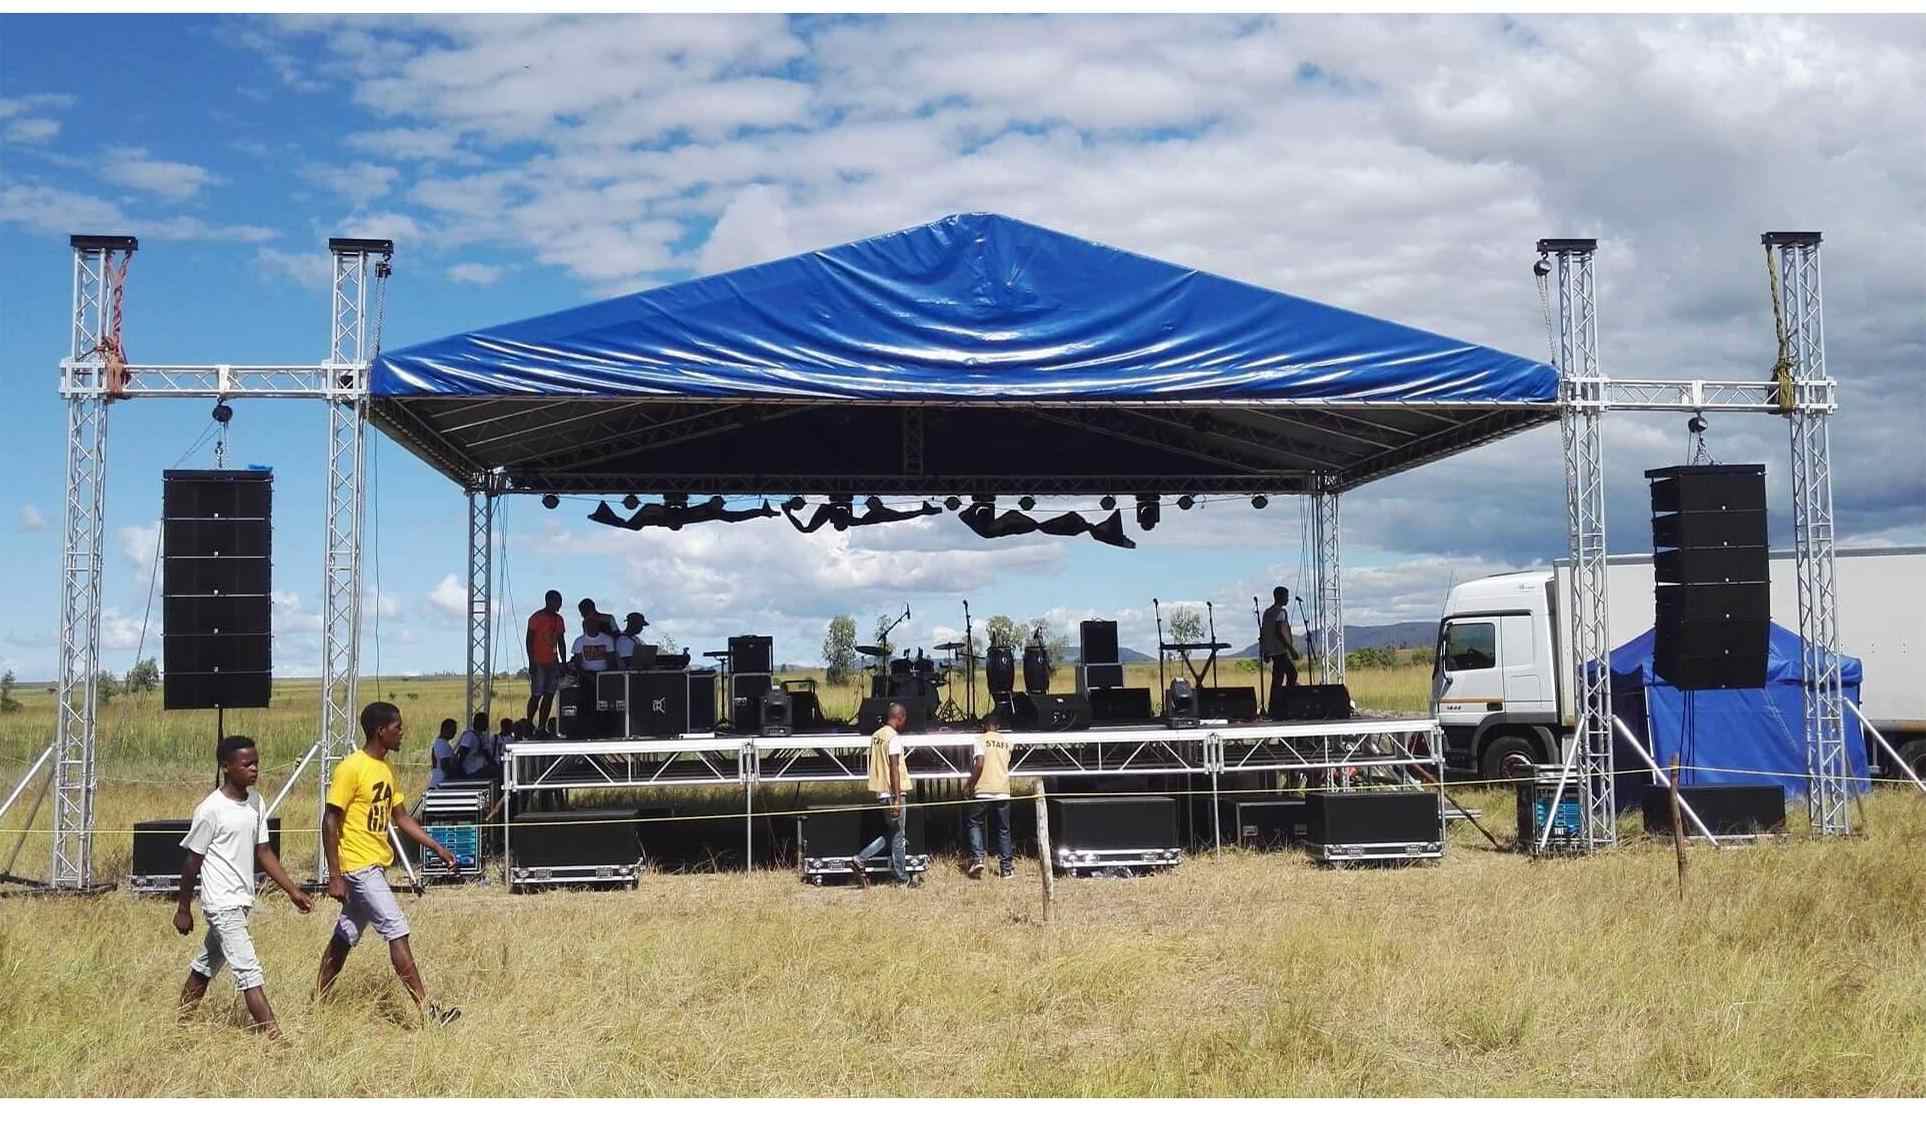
998, 812
892, 837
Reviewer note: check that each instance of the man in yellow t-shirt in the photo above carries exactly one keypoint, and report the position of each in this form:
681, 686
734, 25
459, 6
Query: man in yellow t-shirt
990, 785
362, 803
888, 778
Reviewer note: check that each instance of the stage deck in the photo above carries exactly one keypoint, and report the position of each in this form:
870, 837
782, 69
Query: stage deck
707, 759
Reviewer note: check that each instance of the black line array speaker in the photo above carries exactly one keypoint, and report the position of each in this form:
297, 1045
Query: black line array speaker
216, 589
1233, 703
1712, 600
1097, 640
1050, 713
1121, 703
1729, 809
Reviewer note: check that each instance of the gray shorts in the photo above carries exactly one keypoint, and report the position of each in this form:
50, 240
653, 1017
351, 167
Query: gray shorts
227, 943
370, 902
544, 679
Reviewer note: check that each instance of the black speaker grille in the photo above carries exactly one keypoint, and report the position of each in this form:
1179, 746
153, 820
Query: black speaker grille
1098, 640
206, 537
208, 615
195, 691
216, 493
210, 654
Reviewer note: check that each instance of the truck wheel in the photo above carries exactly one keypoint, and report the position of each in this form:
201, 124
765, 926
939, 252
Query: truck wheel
1508, 758
1914, 753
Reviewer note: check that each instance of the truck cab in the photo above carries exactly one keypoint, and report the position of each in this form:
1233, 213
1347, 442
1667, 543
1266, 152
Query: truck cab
1493, 680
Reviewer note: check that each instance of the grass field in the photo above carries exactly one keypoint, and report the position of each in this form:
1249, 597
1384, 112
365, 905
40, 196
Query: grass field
1794, 968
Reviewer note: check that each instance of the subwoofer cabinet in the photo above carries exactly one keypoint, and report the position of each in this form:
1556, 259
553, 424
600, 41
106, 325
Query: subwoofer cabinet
1375, 826
1097, 833
1730, 811
158, 855
593, 847
828, 839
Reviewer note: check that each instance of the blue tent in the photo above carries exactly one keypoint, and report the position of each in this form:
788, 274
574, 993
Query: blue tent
974, 354
1725, 736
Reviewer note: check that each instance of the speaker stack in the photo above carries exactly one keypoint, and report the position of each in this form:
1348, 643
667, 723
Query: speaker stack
1098, 664
1712, 597
751, 675
216, 611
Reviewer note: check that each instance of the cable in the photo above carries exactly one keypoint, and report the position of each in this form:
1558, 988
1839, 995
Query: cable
374, 458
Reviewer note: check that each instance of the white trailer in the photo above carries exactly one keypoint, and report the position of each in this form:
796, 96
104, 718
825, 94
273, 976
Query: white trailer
1502, 681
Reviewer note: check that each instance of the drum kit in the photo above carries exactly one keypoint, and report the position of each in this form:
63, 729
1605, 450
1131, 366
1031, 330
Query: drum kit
923, 677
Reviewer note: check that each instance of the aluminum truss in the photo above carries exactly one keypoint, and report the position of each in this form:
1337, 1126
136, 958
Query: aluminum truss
1326, 554
481, 560
91, 376
1809, 397
1793, 256
1582, 402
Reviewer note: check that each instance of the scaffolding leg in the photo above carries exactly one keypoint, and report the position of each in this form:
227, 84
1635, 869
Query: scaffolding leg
33, 813
481, 540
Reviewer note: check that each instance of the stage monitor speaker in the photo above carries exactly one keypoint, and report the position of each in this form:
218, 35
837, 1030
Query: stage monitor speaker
1099, 676
1269, 824
778, 713
216, 580
583, 837
1232, 703
751, 654
158, 853
745, 700
1097, 642
1113, 823
1120, 704
1710, 562
1374, 818
871, 714
1727, 809
1329, 702
1050, 713
805, 711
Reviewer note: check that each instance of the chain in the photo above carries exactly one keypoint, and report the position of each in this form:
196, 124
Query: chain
1782, 367
1544, 306
382, 271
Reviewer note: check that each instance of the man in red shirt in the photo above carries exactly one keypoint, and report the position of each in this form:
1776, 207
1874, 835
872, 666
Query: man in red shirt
547, 651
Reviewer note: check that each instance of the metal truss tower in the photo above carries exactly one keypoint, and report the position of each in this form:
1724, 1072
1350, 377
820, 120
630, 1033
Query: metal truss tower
481, 540
1326, 549
1793, 259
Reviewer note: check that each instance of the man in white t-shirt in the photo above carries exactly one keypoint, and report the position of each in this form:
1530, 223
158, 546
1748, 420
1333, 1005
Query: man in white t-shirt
226, 840
441, 756
594, 649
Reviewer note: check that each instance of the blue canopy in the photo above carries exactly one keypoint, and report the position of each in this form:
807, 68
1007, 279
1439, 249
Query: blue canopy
973, 355
1726, 736
971, 307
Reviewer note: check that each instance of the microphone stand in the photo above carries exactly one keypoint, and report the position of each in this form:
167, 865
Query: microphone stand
1158, 611
1310, 648
969, 663
1259, 614
1211, 614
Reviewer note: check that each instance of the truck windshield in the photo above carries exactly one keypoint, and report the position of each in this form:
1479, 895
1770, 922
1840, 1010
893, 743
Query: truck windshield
1470, 646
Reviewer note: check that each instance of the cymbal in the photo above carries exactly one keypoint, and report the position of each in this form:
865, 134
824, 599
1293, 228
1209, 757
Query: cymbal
956, 646
873, 652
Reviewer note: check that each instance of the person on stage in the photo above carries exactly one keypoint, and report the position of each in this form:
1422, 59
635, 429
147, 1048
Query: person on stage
547, 651
594, 649
888, 776
362, 802
631, 653
1277, 648
990, 786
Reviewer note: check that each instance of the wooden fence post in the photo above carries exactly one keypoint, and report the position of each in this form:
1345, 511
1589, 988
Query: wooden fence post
1043, 853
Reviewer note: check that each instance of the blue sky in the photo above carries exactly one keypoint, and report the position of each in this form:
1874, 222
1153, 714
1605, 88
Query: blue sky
527, 164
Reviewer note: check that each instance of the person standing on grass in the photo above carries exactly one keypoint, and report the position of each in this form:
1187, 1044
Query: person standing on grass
362, 803
990, 786
547, 651
227, 839
887, 777
1276, 647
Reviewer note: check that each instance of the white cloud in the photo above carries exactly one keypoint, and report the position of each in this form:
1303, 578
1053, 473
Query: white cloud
291, 616
31, 519
130, 167
50, 210
450, 597
359, 182
752, 229
139, 544
477, 274
31, 130
122, 632
310, 269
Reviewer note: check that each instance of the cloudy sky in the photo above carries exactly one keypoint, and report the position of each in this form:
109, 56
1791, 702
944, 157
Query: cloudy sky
1402, 167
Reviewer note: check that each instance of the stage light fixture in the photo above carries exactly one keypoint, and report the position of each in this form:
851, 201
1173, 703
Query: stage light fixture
1109, 502
1027, 502
1259, 501
952, 503
631, 502
223, 412
550, 501
1149, 509
1186, 502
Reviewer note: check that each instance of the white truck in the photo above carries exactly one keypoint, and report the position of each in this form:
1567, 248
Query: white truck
1502, 681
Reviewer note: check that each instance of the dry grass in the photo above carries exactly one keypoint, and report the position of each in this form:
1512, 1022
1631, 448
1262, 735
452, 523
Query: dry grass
1790, 969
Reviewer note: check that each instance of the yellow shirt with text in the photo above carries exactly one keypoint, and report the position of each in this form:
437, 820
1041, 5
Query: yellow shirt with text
364, 789
993, 749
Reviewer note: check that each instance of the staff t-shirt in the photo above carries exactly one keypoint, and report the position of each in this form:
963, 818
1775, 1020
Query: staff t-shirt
225, 833
884, 745
364, 789
993, 783
595, 651
545, 634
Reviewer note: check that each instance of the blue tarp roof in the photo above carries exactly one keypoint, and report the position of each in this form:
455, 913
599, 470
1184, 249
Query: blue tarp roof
969, 308
1725, 736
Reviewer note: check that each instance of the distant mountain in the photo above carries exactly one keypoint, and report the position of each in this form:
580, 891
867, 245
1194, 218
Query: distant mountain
1417, 633
1124, 654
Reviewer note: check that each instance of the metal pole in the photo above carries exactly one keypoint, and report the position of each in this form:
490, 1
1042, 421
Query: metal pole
1867, 726
299, 767
40, 797
481, 539
1658, 774
26, 778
